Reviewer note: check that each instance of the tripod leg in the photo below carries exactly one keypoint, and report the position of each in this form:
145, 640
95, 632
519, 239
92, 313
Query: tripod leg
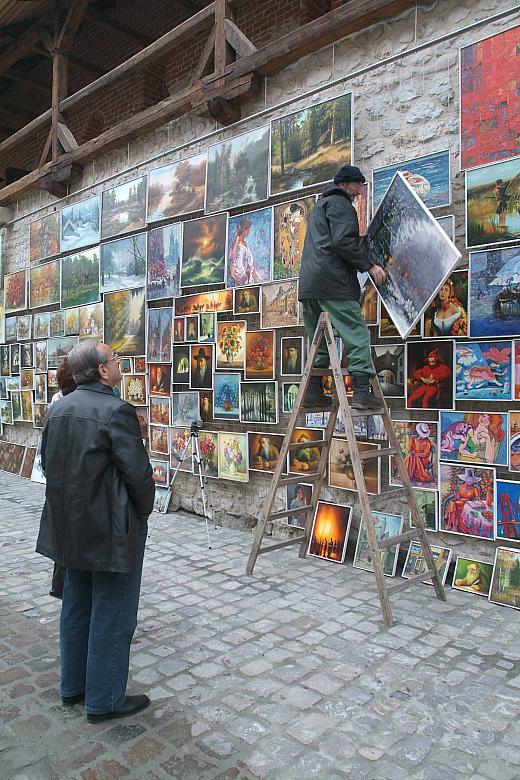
202, 479
172, 480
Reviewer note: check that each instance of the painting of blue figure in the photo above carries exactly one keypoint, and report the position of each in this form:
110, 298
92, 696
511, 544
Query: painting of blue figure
474, 437
250, 248
508, 510
429, 176
495, 292
226, 396
483, 370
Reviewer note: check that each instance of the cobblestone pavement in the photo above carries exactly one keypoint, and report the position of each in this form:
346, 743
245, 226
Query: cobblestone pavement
289, 673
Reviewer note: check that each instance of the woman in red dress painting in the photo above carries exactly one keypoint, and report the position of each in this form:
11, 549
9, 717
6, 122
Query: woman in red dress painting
419, 456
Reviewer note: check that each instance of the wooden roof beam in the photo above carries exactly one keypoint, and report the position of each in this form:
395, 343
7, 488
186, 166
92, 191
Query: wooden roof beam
107, 22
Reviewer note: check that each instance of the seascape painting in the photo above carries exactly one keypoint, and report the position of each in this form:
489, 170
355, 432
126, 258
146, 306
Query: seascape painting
177, 188
492, 204
428, 176
495, 292
290, 228
124, 324
483, 370
204, 251
163, 262
123, 263
80, 224
250, 248
123, 208
80, 278
44, 237
237, 171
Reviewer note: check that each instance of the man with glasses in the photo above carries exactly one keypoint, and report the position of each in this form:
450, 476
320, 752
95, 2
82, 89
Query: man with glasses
99, 493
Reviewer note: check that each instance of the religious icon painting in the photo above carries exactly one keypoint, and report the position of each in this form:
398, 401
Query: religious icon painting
279, 305
290, 227
492, 193
246, 300
40, 389
123, 208
122, 263
192, 328
259, 402
369, 305
181, 365
124, 321
428, 506
447, 315
185, 408
160, 472
40, 413
341, 471
57, 323
514, 441
44, 284
23, 327
208, 448
231, 344
40, 356
80, 224
233, 456
330, 531
467, 500
218, 301
387, 328
389, 363
508, 510
134, 389
15, 292
474, 437
159, 410
290, 392
226, 396
207, 327
505, 583
483, 370
238, 171
250, 248
297, 497
27, 379
264, 451
429, 375
159, 335
429, 177
160, 375
44, 237
179, 330
306, 457
10, 327
419, 444
260, 354
58, 349
72, 319
291, 355
159, 439
91, 321
415, 563
201, 367
494, 292
206, 405
40, 325
177, 188
26, 398
163, 262
385, 526
125, 365
204, 251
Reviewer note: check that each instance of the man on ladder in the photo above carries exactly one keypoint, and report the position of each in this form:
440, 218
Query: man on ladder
332, 255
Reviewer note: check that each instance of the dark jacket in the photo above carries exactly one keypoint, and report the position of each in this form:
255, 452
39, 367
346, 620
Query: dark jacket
332, 253
99, 482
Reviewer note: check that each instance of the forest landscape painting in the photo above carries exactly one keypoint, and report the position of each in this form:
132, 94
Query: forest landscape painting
177, 188
124, 325
237, 171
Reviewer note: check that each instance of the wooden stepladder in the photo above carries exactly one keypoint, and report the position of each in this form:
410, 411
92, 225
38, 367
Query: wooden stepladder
340, 401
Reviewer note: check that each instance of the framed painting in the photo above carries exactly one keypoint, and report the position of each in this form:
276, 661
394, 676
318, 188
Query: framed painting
27, 378
492, 194
233, 456
505, 583
483, 370
179, 330
369, 305
201, 367
181, 450
291, 355
310, 145
192, 329
52, 377
217, 301
181, 365
177, 188
14, 358
80, 224
12, 383
330, 531
124, 321
415, 562
164, 262
162, 499
264, 451
15, 292
204, 251
246, 300
44, 284
260, 354
207, 327
414, 250
160, 472
10, 327
123, 208
40, 325
226, 396
206, 405
185, 408
290, 392
80, 278
428, 505
3, 339
44, 237
159, 410
23, 327
16, 402
40, 356
279, 307
489, 67
57, 323
139, 364
159, 439
72, 319
39, 414
5, 360
341, 472
27, 355
259, 402
159, 335
387, 328
290, 227
297, 497
419, 444
448, 314
26, 398
208, 448
11, 457
467, 500
58, 349
40, 388
91, 321
508, 510
134, 389
141, 412
122, 264
429, 375
361, 204
6, 412
238, 171
306, 457
428, 176
474, 437
514, 441
389, 363
494, 293
231, 344
160, 378
385, 526
249, 248
447, 223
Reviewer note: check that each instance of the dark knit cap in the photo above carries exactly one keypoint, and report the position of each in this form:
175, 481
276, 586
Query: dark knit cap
349, 173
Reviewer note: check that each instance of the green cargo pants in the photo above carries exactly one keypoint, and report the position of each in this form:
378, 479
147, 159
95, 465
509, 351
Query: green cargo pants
346, 317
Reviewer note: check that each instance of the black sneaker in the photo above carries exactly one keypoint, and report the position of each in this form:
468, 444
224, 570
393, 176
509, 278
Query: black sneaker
130, 706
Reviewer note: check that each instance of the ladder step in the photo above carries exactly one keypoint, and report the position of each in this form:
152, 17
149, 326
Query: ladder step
314, 410
298, 445
407, 583
377, 453
277, 546
406, 536
296, 480
285, 512
326, 371
395, 491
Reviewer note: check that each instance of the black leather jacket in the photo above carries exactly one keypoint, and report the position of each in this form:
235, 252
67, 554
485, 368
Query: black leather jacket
332, 252
99, 482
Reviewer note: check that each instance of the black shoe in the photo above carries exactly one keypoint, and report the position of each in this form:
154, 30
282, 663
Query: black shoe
130, 706
362, 398
314, 395
69, 701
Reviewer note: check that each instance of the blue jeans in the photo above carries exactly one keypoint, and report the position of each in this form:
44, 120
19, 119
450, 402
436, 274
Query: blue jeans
98, 620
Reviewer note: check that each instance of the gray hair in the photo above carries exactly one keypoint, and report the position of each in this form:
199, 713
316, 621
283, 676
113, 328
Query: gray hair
84, 360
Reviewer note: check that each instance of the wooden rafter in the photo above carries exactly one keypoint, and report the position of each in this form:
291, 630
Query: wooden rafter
107, 22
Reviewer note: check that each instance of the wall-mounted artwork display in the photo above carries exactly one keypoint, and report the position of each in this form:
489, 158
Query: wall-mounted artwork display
207, 328
192, 328
159, 335
290, 392
44, 284
44, 237
250, 248
428, 506
492, 196
494, 292
140, 364
123, 208
40, 356
39, 414
12, 383
80, 224
4, 359
226, 396
16, 402
467, 500
415, 251
341, 471
291, 355
160, 472
159, 439
27, 379
238, 171
514, 441
483, 370
508, 510
124, 324
290, 227
177, 188
264, 450
159, 410
6, 412
91, 321
204, 252
429, 177
260, 354
10, 328
387, 328
40, 388
232, 456
447, 314
14, 356
418, 443
181, 450
57, 323
15, 291
429, 375
2, 317
185, 408
58, 349
385, 526
181, 365
309, 146
11, 457
474, 437
279, 306
298, 496
162, 499
306, 457
218, 301
246, 300
489, 67
416, 564
201, 367
141, 412
123, 263
23, 327
206, 405
231, 344
505, 585
27, 355
361, 204
179, 330
389, 365
208, 448
160, 378
40, 325
259, 402
447, 223
369, 305
330, 530
164, 262
72, 319
134, 389
80, 278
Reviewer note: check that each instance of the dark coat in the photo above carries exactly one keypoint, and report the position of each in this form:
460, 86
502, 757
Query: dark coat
332, 252
98, 482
